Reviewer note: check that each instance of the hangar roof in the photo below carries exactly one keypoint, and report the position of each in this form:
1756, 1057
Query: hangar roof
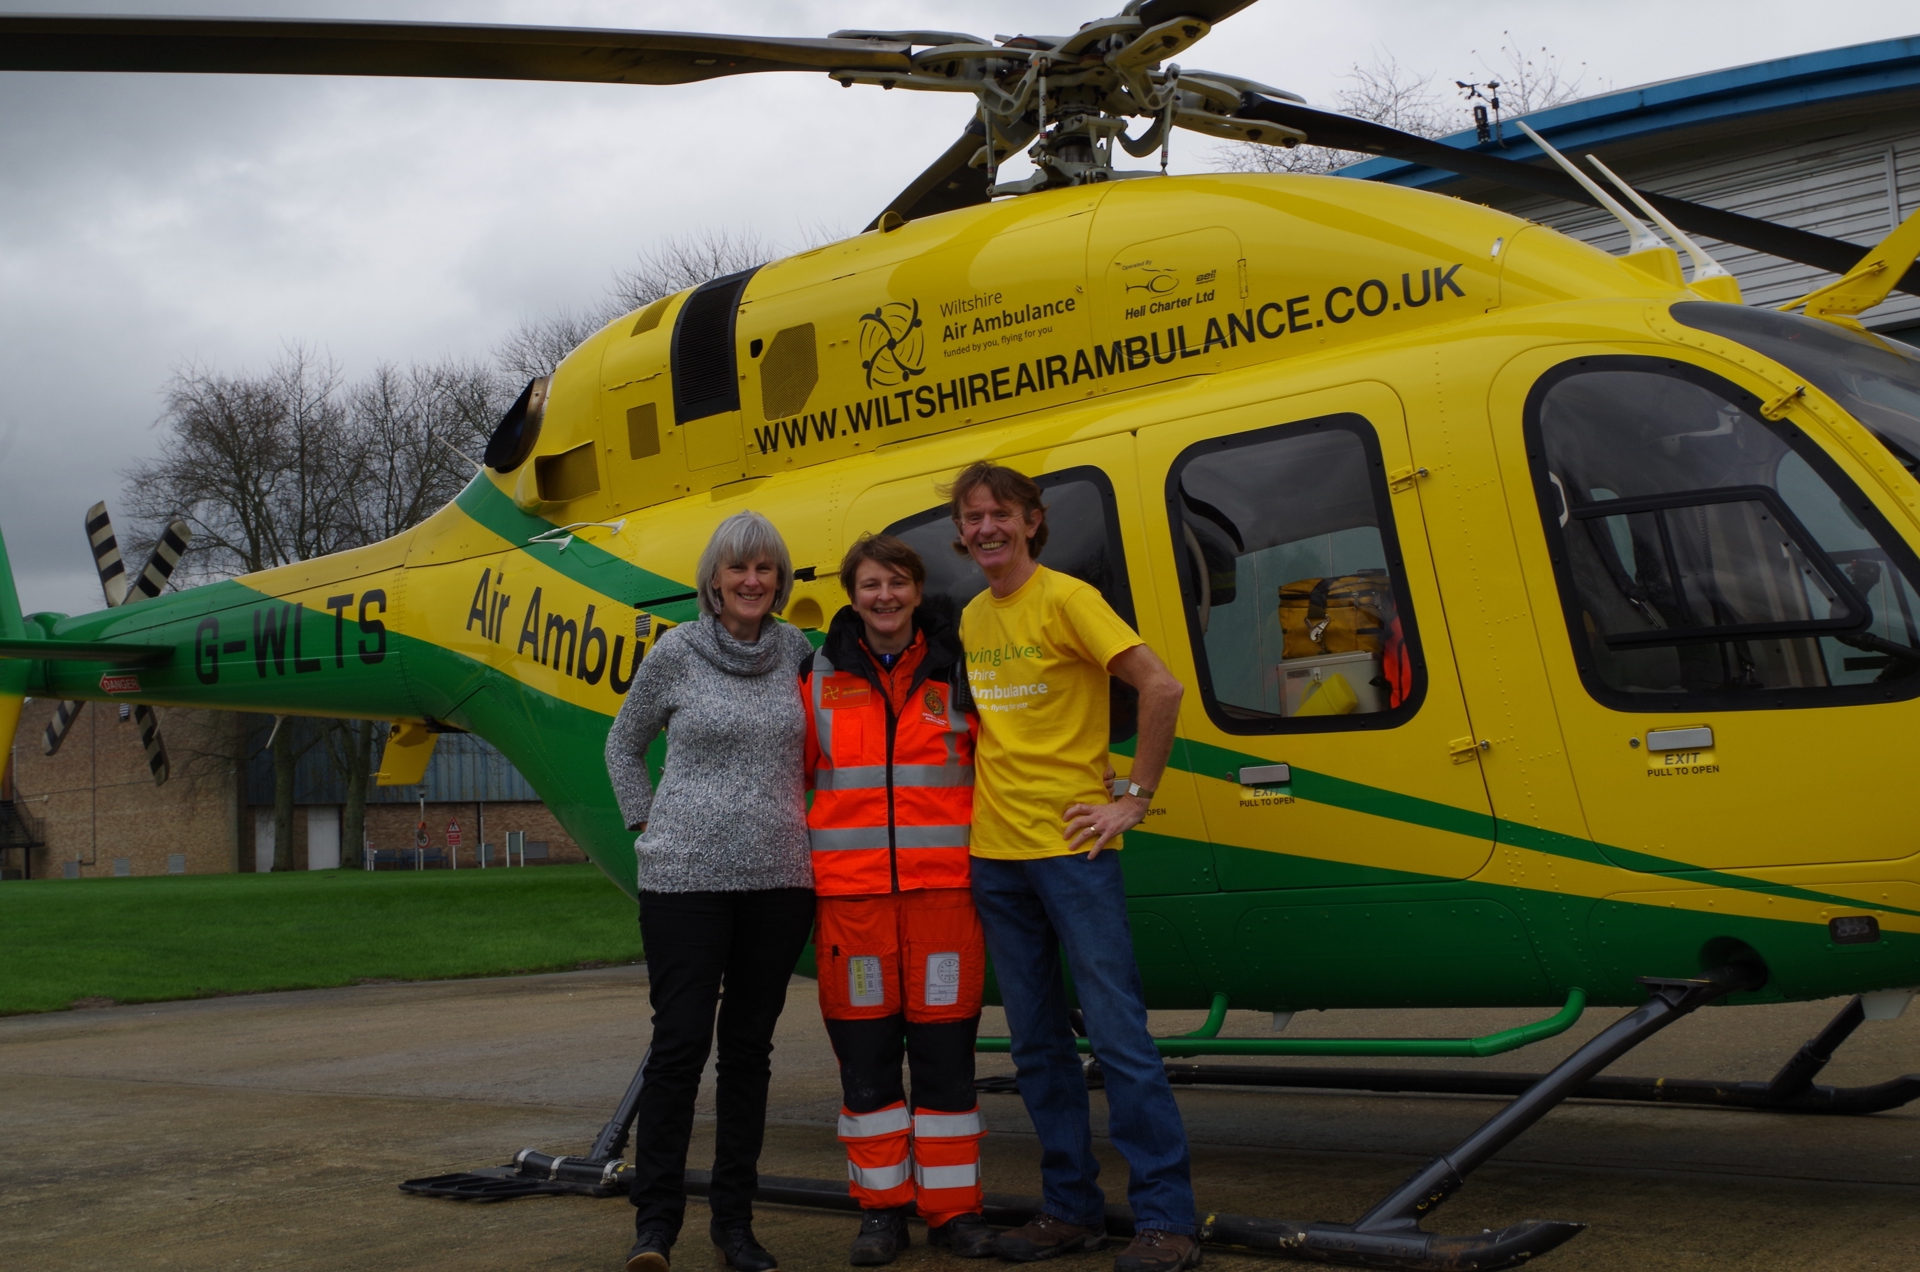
1881, 76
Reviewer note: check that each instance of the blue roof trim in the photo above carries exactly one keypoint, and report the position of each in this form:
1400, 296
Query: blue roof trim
1860, 70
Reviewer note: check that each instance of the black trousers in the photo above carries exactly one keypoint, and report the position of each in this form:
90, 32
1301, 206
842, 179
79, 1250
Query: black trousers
733, 951
939, 1057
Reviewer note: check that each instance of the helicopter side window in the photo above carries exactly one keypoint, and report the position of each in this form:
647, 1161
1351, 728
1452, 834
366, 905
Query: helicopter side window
1291, 579
1083, 539
1708, 555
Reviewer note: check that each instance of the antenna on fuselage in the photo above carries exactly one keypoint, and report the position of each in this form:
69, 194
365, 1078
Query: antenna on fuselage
1704, 266
1641, 238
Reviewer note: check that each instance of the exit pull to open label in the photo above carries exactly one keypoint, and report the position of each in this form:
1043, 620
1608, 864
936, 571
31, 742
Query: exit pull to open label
1681, 763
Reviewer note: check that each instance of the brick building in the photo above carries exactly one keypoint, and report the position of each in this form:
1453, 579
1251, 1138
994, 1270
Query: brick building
92, 811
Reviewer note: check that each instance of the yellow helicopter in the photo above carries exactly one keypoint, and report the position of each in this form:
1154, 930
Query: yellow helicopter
1518, 587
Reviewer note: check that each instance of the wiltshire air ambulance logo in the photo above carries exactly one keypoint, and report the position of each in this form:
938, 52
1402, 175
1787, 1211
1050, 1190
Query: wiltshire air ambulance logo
892, 344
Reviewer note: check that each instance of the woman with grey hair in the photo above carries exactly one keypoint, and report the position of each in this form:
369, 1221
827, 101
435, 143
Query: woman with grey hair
726, 885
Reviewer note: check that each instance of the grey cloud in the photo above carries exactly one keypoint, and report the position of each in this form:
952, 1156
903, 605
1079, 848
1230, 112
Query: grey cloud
151, 221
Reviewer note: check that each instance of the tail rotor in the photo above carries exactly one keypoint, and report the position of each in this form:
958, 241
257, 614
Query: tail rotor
119, 590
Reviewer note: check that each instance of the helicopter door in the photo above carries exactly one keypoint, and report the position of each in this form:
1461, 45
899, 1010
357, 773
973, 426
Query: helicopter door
1087, 538
1328, 736
1738, 652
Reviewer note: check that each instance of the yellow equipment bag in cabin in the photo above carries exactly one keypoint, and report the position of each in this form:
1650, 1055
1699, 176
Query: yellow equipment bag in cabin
1344, 614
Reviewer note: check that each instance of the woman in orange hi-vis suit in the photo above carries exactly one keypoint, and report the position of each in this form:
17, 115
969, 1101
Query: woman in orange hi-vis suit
890, 729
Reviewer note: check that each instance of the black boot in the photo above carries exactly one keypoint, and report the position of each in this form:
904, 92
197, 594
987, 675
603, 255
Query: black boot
968, 1236
883, 1234
739, 1251
649, 1253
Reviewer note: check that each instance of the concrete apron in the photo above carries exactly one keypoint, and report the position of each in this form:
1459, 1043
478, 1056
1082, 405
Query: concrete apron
268, 1131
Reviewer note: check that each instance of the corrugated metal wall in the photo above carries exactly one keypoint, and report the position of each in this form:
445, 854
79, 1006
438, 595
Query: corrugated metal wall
464, 769
1852, 181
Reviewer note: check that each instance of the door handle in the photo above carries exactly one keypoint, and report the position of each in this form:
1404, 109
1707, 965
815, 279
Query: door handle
1697, 738
1266, 774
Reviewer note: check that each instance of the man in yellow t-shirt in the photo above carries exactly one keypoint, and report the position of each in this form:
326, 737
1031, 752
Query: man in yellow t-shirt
1040, 649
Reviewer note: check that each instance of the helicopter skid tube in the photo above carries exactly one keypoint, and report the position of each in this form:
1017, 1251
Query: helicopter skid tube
1791, 1090
1311, 1242
1387, 1236
1203, 1042
1852, 1101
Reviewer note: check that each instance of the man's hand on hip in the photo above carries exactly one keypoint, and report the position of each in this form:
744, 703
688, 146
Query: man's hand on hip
1102, 822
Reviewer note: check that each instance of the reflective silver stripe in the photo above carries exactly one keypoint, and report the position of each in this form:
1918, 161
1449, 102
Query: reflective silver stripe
932, 836
903, 837
882, 1122
867, 777
956, 718
855, 777
847, 838
933, 775
822, 718
946, 1176
881, 1178
947, 1125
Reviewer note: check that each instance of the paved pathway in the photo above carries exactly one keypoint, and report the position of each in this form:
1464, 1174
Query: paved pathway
268, 1132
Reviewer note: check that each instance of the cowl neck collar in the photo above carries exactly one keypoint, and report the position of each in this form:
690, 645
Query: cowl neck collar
736, 657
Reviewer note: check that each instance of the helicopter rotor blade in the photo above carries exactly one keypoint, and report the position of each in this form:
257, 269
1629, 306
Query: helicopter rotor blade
113, 585
1325, 128
57, 729
1154, 12
949, 182
431, 50
161, 563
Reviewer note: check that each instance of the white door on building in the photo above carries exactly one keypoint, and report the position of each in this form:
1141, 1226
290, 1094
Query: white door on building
263, 840
323, 837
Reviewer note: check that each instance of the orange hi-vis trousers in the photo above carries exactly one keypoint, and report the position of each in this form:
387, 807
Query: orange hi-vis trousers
927, 1160
901, 979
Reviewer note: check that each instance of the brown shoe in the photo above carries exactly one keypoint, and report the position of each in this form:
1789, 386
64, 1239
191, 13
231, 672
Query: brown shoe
1043, 1237
1152, 1250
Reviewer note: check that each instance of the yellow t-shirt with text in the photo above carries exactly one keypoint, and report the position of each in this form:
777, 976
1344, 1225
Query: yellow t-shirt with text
1037, 665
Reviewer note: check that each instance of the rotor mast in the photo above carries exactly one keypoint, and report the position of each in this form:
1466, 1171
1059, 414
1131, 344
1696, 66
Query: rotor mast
1071, 99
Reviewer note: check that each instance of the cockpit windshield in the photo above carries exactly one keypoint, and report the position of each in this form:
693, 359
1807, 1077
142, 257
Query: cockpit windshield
1877, 381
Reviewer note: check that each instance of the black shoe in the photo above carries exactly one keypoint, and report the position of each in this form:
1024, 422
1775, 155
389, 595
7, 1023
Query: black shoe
739, 1251
649, 1253
968, 1236
883, 1234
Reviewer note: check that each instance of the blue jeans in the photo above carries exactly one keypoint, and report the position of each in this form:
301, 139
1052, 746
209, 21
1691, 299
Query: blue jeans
1031, 910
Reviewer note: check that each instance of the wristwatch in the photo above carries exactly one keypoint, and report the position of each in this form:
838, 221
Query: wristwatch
1134, 788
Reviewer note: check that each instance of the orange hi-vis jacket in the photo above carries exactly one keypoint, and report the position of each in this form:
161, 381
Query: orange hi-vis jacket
890, 759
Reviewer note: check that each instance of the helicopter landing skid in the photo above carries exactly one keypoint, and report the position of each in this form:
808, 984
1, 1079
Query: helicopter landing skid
1387, 1236
533, 1173
1791, 1090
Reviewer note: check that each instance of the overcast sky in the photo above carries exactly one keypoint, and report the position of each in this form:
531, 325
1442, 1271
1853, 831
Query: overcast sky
148, 222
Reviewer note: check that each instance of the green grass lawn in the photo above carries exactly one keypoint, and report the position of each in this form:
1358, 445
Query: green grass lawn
191, 936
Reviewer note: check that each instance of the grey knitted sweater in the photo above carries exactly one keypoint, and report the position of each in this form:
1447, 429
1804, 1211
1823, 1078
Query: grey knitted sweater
730, 814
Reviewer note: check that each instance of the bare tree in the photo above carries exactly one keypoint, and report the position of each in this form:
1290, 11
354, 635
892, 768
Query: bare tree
1388, 93
1383, 91
1531, 81
679, 263
263, 469
537, 345
252, 463
294, 464
413, 431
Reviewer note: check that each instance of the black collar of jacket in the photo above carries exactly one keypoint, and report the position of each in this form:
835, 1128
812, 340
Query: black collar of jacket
936, 618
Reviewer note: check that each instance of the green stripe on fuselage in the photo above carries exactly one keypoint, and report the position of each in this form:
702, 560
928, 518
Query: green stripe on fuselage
585, 563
